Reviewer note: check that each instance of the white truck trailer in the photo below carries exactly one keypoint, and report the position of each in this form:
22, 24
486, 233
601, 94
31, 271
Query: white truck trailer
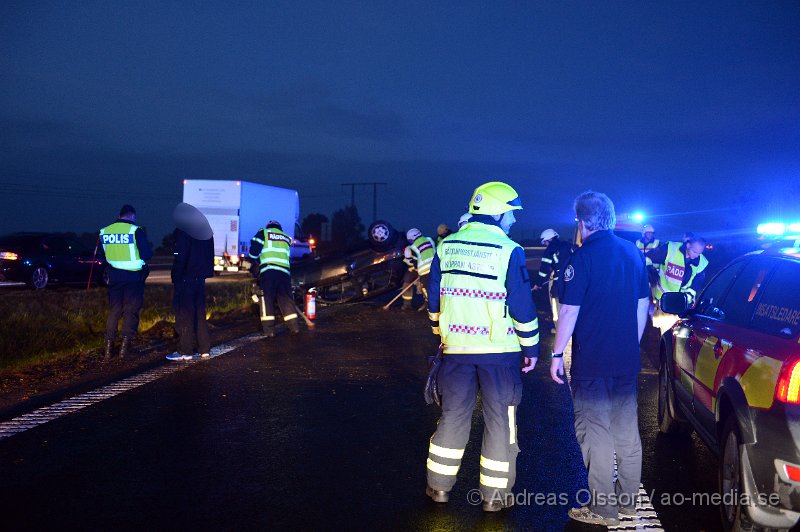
236, 210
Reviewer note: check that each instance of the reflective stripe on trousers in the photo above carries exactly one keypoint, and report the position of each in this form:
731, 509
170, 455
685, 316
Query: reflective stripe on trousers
501, 393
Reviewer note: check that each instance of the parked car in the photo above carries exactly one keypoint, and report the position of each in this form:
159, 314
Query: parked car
730, 370
360, 274
42, 259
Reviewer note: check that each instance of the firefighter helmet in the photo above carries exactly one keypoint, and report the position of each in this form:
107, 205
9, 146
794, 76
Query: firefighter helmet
494, 198
413, 234
648, 229
548, 234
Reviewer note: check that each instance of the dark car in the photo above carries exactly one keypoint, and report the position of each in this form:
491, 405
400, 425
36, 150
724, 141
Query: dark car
730, 370
41, 259
360, 274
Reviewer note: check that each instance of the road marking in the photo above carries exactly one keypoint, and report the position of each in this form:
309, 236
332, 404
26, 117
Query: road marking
79, 402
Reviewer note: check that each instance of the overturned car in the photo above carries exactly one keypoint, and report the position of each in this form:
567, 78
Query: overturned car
357, 275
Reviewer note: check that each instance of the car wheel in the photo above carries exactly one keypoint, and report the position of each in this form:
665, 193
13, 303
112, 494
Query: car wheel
731, 483
39, 278
381, 235
667, 423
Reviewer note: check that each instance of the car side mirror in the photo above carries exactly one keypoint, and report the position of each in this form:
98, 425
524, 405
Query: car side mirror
674, 303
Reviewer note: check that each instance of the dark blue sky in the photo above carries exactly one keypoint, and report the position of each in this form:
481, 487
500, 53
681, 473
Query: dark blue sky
667, 106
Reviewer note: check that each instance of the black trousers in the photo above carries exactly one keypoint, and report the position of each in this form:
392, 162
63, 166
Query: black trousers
189, 302
607, 422
125, 299
277, 285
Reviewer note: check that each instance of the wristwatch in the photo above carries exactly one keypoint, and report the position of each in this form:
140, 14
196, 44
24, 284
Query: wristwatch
556, 355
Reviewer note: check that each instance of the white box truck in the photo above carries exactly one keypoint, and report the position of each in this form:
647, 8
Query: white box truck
237, 209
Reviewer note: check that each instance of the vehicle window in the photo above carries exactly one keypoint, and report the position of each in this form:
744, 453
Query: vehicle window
737, 307
778, 310
710, 298
55, 246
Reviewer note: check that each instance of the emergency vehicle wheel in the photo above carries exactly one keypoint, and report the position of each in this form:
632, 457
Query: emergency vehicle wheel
666, 404
731, 483
39, 278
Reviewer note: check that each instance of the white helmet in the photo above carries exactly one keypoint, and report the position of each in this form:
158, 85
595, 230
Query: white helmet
548, 234
413, 234
648, 229
464, 220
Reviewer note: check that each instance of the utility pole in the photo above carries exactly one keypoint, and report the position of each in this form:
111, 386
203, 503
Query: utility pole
374, 195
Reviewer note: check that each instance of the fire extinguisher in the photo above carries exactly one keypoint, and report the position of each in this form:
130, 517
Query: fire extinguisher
311, 304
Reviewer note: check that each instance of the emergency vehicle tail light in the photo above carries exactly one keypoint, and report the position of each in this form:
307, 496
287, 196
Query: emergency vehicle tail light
788, 388
234, 259
7, 255
793, 472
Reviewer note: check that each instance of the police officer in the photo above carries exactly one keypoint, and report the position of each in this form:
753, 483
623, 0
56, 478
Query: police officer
271, 246
604, 310
648, 240
680, 266
480, 304
418, 256
126, 249
556, 253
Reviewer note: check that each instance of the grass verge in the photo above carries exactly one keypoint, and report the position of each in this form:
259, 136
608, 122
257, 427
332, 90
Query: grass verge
47, 325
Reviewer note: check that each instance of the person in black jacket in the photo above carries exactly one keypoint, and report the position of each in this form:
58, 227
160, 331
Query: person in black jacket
193, 264
556, 254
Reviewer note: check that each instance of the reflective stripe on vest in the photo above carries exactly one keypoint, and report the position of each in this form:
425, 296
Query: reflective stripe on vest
424, 251
670, 274
275, 251
119, 245
473, 316
647, 247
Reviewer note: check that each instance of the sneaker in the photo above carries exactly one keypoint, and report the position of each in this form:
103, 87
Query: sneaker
205, 355
627, 512
175, 356
585, 515
188, 357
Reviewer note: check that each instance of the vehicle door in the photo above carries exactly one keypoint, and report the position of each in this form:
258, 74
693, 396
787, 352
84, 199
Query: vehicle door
58, 257
725, 334
689, 335
81, 260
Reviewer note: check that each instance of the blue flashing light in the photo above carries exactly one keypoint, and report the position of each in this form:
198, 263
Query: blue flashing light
638, 216
772, 229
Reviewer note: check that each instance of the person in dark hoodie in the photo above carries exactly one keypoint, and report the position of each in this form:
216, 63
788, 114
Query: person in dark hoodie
126, 248
193, 264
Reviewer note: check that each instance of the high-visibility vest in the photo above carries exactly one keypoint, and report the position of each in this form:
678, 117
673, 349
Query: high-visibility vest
119, 245
646, 247
424, 250
275, 251
670, 274
473, 315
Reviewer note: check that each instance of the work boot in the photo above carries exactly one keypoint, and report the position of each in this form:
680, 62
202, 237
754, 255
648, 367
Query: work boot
294, 327
406, 305
498, 502
269, 332
109, 348
127, 347
437, 495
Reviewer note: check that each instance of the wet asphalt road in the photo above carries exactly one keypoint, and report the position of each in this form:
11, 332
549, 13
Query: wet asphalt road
325, 430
